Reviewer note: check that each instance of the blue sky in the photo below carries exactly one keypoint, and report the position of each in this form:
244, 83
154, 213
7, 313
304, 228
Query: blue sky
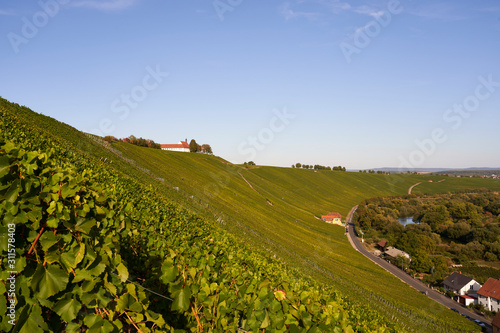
362, 84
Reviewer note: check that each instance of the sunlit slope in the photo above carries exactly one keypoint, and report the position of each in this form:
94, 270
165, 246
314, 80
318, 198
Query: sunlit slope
278, 214
276, 207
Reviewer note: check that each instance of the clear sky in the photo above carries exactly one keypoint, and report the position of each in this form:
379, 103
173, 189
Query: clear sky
362, 84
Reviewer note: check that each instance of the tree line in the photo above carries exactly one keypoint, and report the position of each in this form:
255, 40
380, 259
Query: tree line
135, 141
318, 167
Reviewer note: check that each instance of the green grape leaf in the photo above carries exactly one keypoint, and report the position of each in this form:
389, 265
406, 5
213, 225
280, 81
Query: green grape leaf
67, 308
170, 272
48, 281
122, 272
181, 300
13, 191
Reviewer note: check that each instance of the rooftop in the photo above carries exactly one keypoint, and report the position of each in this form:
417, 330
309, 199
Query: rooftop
334, 215
456, 280
490, 288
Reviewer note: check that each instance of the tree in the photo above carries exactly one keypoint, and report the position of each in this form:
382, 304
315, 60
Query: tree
193, 146
208, 149
421, 261
436, 216
458, 230
110, 138
298, 165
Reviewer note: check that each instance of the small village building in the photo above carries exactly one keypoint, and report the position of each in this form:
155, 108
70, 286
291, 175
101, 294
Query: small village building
461, 284
466, 300
489, 295
332, 218
495, 323
182, 146
395, 253
382, 244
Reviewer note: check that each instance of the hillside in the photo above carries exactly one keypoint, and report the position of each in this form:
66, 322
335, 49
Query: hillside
279, 214
269, 210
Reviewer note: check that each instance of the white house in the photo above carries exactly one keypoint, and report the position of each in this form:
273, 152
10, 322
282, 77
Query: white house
461, 284
182, 146
489, 295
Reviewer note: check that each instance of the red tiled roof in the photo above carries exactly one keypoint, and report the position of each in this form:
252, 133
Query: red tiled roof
490, 288
333, 215
182, 144
382, 243
466, 296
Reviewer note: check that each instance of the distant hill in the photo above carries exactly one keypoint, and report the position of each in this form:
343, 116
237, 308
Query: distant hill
431, 170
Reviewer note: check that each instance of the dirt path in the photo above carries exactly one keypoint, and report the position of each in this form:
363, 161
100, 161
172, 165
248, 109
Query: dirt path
411, 187
267, 200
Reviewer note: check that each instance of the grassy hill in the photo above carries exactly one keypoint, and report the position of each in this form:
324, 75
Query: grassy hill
276, 210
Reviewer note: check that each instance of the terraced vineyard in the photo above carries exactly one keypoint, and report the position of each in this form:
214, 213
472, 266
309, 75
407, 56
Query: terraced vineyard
253, 256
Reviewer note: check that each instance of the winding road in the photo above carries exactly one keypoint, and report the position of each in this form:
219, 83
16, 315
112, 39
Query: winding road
403, 276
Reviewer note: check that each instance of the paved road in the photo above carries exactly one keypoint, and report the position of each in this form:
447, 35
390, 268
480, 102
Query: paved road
417, 284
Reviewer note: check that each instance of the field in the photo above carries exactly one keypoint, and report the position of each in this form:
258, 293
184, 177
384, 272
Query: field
269, 210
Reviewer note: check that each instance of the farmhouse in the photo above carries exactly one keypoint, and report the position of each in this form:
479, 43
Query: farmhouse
182, 146
332, 218
489, 295
461, 284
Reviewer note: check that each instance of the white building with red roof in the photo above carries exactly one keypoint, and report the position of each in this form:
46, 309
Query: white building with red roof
182, 146
332, 218
489, 295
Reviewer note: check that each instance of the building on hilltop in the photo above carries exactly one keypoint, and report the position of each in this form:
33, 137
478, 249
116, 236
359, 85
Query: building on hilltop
489, 295
182, 146
332, 218
461, 284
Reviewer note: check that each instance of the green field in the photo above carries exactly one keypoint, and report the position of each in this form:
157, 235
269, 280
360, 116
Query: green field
275, 211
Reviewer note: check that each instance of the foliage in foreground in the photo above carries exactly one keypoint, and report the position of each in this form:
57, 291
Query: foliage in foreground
89, 240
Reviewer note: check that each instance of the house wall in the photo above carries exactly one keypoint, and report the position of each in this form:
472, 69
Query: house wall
471, 287
185, 150
333, 221
489, 303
